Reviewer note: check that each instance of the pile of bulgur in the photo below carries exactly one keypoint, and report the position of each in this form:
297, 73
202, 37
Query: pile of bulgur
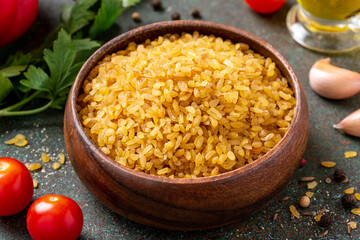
186, 106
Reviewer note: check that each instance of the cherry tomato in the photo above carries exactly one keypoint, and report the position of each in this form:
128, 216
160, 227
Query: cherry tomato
265, 6
16, 186
19, 15
54, 217
8, 11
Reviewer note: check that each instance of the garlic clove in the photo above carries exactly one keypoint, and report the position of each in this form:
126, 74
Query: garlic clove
350, 124
333, 82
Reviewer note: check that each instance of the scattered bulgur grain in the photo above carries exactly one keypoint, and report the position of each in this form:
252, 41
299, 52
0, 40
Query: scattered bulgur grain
350, 154
294, 211
275, 216
21, 142
16, 138
56, 165
307, 179
312, 185
62, 158
328, 180
45, 158
136, 17
175, 16
156, 4
323, 234
196, 13
309, 194
325, 220
356, 211
35, 183
349, 201
357, 195
352, 224
304, 201
349, 190
339, 175
328, 164
34, 166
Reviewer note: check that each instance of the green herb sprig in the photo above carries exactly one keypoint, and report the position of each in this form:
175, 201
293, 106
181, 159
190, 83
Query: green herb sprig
51, 76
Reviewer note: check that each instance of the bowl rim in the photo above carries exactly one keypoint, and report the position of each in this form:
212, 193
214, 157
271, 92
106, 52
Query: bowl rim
98, 55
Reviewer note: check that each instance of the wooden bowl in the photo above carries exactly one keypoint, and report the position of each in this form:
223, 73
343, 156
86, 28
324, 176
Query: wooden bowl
186, 204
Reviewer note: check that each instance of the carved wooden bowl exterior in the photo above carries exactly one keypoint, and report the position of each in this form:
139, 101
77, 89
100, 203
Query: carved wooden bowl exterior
186, 204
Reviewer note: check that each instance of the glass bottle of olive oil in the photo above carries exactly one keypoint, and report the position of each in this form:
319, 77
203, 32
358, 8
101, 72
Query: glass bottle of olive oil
329, 26
337, 10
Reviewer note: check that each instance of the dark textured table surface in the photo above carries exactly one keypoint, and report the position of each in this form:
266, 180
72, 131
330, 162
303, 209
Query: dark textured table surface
45, 134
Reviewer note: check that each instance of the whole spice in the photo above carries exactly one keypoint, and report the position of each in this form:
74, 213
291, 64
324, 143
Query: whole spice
325, 220
350, 124
339, 175
304, 201
303, 162
307, 179
349, 201
323, 234
333, 82
196, 13
136, 17
175, 16
156, 4
328, 180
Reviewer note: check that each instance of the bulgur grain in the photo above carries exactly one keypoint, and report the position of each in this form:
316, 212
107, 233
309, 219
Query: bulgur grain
192, 105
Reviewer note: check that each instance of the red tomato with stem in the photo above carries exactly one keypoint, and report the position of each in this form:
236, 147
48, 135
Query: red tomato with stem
54, 217
16, 186
265, 6
16, 17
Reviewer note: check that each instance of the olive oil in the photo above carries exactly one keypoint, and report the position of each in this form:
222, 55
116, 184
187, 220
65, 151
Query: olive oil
335, 10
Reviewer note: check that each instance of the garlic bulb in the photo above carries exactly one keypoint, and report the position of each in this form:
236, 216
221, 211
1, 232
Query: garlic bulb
333, 82
350, 124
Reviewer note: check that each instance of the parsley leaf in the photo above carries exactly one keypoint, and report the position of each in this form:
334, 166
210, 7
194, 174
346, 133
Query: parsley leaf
108, 13
6, 87
77, 16
61, 65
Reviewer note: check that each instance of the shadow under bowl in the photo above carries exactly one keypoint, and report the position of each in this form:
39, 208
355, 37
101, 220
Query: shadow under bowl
186, 204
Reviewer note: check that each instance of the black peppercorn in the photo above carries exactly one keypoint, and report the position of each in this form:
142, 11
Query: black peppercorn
339, 175
325, 220
195, 13
349, 201
136, 17
175, 16
156, 4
